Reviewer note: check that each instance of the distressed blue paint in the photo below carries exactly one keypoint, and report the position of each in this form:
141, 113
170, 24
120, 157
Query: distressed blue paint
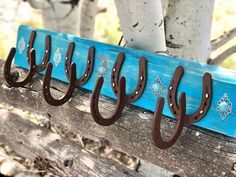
224, 81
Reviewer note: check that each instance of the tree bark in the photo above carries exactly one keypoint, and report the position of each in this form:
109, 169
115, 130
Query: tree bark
142, 24
188, 29
87, 13
67, 18
8, 25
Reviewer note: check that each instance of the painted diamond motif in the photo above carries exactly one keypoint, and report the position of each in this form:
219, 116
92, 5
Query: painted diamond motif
224, 106
21, 45
157, 87
57, 57
102, 69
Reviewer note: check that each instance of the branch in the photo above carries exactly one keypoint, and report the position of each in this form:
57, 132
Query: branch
220, 58
102, 10
227, 36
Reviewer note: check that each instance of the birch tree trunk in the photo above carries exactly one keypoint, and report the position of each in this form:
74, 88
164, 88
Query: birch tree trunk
63, 16
8, 26
188, 29
87, 13
142, 24
188, 26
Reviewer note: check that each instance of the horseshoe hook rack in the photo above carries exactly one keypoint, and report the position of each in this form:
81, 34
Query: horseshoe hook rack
179, 111
70, 70
156, 81
31, 59
120, 91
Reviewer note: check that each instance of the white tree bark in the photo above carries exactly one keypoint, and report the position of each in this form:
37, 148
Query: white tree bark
87, 13
8, 25
8, 11
188, 28
142, 24
58, 16
37, 4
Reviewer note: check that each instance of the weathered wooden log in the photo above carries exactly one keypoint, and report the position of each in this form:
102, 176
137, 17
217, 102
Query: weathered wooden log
198, 152
53, 153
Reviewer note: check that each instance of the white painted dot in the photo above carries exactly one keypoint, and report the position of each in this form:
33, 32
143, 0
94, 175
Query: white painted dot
136, 92
113, 84
201, 111
86, 75
88, 61
207, 95
197, 133
171, 104
114, 69
171, 88
66, 58
141, 78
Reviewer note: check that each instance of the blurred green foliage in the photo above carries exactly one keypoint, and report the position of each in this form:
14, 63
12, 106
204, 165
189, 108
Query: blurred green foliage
107, 27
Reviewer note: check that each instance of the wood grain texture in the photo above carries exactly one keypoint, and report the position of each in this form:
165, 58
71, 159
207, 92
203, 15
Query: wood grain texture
159, 66
54, 153
198, 152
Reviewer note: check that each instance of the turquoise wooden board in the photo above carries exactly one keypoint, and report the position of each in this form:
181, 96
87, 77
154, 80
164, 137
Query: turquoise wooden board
160, 72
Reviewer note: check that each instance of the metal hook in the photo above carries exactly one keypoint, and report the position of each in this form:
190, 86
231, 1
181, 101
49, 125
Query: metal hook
119, 107
71, 73
89, 67
206, 96
47, 51
141, 81
31, 58
7, 69
119, 90
46, 86
156, 125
